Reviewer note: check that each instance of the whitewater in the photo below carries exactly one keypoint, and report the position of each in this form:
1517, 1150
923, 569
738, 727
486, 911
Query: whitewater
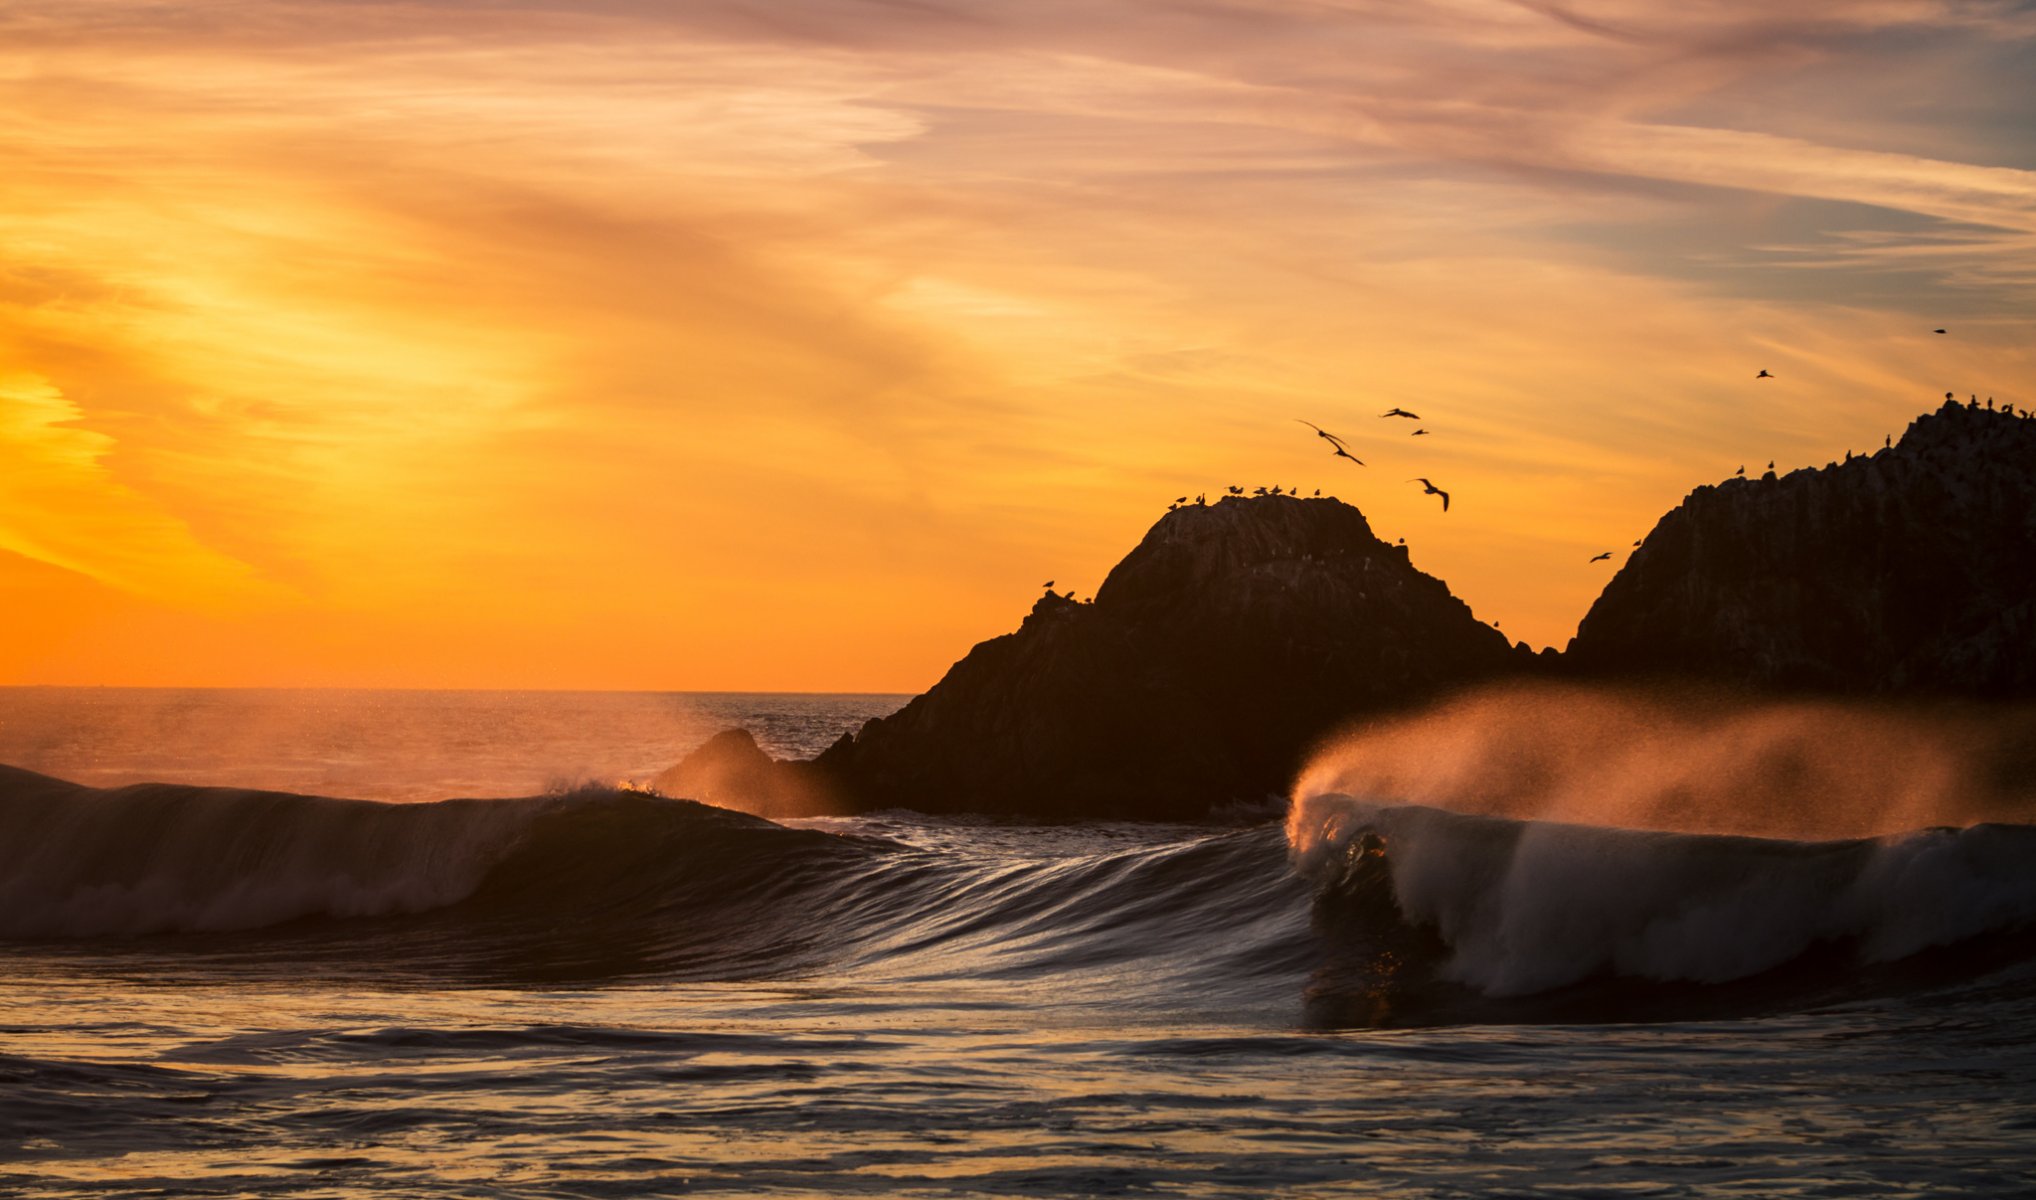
480, 960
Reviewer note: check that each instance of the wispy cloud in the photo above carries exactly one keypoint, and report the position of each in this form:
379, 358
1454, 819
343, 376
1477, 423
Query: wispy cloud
768, 315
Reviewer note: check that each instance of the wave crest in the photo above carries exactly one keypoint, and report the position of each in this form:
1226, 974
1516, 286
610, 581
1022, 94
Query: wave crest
1522, 907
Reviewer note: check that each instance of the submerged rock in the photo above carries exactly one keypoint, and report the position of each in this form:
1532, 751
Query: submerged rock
1212, 658
1909, 571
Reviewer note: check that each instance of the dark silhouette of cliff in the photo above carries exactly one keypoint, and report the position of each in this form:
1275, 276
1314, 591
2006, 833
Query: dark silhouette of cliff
1910, 571
1210, 661
1237, 634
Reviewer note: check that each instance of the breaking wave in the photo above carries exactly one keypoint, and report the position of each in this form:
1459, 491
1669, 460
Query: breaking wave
1370, 913
1515, 908
602, 884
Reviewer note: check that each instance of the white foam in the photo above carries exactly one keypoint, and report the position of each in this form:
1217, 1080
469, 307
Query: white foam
1525, 906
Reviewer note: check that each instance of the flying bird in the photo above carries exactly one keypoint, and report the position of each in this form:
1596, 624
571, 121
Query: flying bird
1763, 374
1601, 557
1418, 433
1429, 489
1342, 451
1401, 412
1937, 331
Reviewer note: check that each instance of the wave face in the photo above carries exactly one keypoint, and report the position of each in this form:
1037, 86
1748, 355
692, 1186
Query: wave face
82, 862
1515, 908
602, 884
1369, 914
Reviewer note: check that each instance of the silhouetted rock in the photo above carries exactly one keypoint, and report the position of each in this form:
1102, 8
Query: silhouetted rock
1912, 570
1211, 659
729, 770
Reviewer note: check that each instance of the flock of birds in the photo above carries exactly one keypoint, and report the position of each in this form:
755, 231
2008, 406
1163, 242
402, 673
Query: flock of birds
1340, 448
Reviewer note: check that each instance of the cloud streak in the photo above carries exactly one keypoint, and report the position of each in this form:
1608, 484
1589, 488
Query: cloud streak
767, 317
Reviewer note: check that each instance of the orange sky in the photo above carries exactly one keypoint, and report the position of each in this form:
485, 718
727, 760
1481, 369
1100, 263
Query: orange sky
791, 345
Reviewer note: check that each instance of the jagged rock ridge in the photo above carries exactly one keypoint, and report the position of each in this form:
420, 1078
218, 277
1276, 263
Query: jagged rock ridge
1209, 662
1912, 570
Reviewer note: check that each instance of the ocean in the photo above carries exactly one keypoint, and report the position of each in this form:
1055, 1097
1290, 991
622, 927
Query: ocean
340, 944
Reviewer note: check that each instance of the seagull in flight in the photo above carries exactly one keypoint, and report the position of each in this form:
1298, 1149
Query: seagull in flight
1763, 374
1601, 557
1342, 451
1429, 489
1937, 331
1419, 433
1401, 412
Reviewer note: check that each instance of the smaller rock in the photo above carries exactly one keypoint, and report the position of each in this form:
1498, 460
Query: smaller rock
730, 770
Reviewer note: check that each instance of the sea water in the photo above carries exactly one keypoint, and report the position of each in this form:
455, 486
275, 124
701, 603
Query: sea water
353, 943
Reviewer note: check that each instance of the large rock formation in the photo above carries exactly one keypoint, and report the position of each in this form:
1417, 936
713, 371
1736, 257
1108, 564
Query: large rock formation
1912, 570
1210, 660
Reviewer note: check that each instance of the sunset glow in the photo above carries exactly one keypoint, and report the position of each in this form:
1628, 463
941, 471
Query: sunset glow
790, 346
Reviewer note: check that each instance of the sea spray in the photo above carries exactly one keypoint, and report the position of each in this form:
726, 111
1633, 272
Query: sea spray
1692, 762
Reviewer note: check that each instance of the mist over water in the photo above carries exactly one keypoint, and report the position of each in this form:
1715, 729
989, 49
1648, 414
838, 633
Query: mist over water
1692, 762
1541, 837
398, 745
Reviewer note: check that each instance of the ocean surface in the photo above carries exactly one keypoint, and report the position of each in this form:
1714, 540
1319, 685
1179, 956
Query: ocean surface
342, 944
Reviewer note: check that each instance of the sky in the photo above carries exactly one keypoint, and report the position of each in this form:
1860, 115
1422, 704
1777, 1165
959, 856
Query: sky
790, 345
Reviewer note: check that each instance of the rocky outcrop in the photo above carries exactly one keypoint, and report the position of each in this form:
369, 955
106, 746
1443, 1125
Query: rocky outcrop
731, 771
1209, 662
1910, 571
